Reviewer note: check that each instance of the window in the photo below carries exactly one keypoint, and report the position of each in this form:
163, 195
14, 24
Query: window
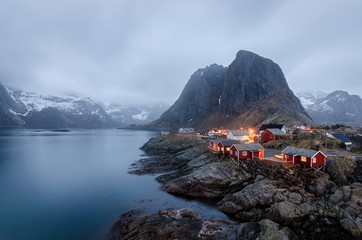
231, 152
314, 160
222, 149
227, 149
303, 159
245, 153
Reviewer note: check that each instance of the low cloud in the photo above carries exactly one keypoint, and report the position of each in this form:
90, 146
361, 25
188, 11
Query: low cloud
145, 51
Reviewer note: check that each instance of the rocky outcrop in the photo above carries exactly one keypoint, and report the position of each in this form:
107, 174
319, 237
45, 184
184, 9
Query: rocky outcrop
186, 224
252, 90
313, 206
212, 180
339, 168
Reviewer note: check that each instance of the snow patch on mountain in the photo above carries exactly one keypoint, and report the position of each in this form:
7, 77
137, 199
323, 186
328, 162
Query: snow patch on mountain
141, 116
336, 107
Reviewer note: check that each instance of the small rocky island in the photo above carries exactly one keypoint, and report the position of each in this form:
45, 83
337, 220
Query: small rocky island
264, 200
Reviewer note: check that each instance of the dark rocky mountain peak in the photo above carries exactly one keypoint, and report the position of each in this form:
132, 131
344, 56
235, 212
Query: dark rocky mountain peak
252, 90
199, 99
250, 78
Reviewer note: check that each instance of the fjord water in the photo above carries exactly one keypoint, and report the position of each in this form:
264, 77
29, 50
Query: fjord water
74, 185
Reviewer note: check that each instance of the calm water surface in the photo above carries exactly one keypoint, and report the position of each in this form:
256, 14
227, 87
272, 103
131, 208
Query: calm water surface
74, 185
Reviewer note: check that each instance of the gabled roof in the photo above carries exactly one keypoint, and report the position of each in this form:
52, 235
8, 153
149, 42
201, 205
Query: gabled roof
249, 147
341, 137
239, 132
228, 142
266, 126
300, 152
276, 131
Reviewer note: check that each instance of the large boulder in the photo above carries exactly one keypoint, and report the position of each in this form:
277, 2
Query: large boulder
259, 194
186, 224
273, 231
209, 181
287, 212
339, 168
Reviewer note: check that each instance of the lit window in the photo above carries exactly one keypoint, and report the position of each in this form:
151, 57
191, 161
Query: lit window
304, 159
227, 149
314, 160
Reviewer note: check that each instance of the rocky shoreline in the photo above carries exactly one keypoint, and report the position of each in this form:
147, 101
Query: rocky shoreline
265, 200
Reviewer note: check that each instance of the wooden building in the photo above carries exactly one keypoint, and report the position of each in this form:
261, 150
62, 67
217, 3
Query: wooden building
247, 151
272, 134
304, 157
221, 145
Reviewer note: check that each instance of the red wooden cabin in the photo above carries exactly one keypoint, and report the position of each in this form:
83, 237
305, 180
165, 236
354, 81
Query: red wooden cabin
271, 134
304, 157
225, 144
221, 145
247, 151
213, 146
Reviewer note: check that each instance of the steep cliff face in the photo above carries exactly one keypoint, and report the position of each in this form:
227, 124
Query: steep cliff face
250, 78
8, 104
199, 99
251, 91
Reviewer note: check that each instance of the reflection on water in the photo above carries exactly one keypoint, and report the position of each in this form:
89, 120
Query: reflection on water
74, 185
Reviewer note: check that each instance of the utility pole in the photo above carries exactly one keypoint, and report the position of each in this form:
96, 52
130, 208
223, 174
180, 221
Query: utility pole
325, 133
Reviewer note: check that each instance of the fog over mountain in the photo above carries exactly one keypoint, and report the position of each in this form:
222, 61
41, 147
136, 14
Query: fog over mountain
144, 51
33, 110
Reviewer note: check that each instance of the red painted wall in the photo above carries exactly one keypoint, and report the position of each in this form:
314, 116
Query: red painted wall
256, 155
248, 154
225, 147
233, 148
320, 160
267, 136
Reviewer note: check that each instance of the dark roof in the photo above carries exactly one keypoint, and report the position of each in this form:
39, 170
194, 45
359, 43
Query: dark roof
228, 142
300, 152
250, 147
341, 137
266, 126
276, 131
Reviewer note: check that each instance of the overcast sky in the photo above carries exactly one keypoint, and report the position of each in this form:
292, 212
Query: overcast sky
145, 51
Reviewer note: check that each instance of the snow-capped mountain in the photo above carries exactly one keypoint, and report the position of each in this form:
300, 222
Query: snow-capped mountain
18, 108
336, 107
134, 114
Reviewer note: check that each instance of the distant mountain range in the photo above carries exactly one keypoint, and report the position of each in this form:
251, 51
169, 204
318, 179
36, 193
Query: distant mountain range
18, 108
252, 90
336, 107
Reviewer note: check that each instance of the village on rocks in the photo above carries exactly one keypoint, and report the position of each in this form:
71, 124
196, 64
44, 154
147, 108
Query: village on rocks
273, 189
